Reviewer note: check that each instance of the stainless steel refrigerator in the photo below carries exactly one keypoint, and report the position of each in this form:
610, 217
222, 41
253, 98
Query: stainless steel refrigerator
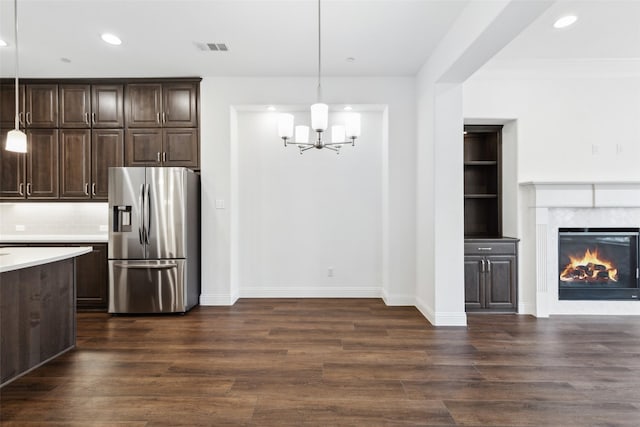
154, 240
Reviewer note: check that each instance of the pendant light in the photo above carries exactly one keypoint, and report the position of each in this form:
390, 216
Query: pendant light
16, 139
340, 135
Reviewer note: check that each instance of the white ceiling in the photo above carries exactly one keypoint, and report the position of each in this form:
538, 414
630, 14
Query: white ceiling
279, 37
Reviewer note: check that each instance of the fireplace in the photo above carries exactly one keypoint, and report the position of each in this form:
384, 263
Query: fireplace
598, 263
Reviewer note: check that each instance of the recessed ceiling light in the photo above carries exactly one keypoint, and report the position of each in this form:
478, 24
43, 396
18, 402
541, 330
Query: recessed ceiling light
65, 60
3, 43
351, 59
348, 108
111, 39
271, 108
565, 21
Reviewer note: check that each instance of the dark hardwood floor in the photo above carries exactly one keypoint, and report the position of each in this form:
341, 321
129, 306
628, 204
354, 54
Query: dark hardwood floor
327, 362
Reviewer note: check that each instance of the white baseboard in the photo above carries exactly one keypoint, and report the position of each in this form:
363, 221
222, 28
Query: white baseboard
217, 299
398, 300
310, 292
527, 308
441, 318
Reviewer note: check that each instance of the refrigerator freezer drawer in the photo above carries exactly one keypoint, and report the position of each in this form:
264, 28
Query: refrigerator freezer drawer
143, 286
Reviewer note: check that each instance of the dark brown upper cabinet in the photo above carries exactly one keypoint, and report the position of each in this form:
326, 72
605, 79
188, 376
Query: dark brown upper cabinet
162, 147
161, 105
41, 106
107, 150
85, 158
87, 106
33, 175
38, 105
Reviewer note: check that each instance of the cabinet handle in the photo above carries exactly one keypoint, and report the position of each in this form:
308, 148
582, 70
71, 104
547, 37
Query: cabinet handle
488, 266
93, 118
93, 189
21, 188
164, 156
485, 249
28, 188
158, 118
481, 266
21, 118
28, 116
86, 188
164, 118
86, 118
158, 157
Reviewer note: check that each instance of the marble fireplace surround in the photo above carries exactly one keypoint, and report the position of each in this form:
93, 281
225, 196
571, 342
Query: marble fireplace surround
552, 205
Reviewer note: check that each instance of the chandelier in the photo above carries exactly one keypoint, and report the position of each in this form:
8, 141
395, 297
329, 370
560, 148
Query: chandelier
16, 139
340, 134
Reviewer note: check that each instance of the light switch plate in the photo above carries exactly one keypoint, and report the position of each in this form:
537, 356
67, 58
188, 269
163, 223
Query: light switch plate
219, 204
103, 228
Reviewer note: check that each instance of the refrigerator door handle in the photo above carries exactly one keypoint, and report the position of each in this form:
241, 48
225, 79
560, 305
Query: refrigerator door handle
148, 213
146, 266
141, 230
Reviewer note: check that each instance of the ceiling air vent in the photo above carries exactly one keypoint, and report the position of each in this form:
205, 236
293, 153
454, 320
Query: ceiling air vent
213, 47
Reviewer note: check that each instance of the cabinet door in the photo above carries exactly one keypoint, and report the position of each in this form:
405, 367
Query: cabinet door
75, 163
75, 106
41, 106
107, 150
473, 282
107, 106
143, 147
91, 279
180, 147
501, 282
12, 179
8, 105
144, 105
42, 164
179, 105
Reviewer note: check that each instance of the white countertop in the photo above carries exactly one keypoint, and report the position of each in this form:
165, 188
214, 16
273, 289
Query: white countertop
17, 258
54, 238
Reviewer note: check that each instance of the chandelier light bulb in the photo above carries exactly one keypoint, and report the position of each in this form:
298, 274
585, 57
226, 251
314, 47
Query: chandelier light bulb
353, 125
319, 117
285, 126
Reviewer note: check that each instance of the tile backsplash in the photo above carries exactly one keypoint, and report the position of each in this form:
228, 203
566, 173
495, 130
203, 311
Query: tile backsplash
53, 218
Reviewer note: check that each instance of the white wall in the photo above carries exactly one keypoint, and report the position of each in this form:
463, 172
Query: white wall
222, 100
561, 119
301, 215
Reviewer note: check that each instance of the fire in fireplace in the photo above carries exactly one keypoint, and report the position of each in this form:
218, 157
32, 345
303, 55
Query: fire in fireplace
598, 263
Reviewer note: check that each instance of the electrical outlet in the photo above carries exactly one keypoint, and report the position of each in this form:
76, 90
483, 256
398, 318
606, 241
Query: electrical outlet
20, 228
219, 203
104, 228
619, 148
595, 149
330, 272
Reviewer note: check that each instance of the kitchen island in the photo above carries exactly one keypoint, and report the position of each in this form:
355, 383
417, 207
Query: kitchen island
37, 306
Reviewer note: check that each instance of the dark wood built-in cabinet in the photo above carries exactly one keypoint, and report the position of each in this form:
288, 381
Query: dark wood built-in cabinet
490, 274
77, 129
482, 181
490, 261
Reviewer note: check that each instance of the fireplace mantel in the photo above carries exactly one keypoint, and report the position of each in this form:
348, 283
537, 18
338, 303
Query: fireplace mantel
552, 205
585, 194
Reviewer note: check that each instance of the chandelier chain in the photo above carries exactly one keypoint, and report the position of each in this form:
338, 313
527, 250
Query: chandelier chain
15, 16
319, 54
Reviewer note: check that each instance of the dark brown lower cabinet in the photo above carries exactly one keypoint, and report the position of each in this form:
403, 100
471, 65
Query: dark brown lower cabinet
37, 319
91, 279
91, 275
491, 275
